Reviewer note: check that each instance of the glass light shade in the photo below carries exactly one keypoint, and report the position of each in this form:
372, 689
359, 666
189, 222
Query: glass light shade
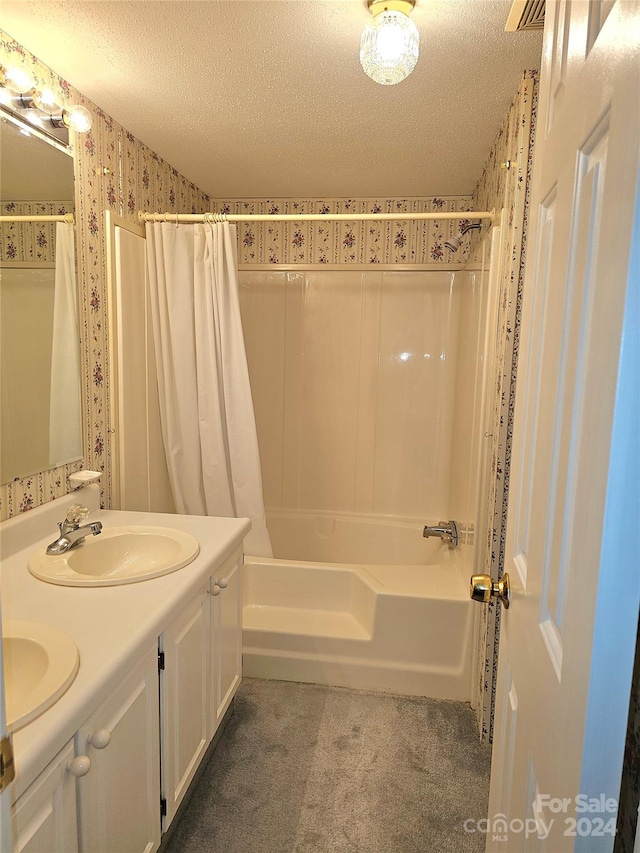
18, 80
77, 118
33, 117
46, 101
389, 47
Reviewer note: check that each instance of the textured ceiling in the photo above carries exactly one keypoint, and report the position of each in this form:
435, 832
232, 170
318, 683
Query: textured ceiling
267, 98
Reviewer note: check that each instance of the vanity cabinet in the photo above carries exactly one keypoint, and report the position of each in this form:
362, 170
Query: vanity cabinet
184, 683
118, 784
45, 815
118, 767
226, 637
201, 670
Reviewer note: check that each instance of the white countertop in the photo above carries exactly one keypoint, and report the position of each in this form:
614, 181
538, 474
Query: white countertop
111, 626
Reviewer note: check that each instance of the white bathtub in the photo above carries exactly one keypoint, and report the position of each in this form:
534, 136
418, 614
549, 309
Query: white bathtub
404, 628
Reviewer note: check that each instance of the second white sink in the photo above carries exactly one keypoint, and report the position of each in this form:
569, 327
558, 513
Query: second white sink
40, 662
118, 555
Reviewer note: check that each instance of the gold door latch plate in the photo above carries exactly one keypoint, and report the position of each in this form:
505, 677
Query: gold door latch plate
7, 766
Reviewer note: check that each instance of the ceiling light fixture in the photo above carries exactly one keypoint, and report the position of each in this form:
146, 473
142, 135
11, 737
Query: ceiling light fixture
16, 80
390, 42
75, 118
78, 118
46, 102
18, 94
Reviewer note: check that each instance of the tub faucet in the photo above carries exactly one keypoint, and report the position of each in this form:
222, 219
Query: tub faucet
446, 530
71, 530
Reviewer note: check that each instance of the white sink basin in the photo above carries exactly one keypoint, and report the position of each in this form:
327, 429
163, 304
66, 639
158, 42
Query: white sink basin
118, 555
40, 662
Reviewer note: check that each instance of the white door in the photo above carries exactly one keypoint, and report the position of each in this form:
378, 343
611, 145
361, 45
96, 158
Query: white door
567, 641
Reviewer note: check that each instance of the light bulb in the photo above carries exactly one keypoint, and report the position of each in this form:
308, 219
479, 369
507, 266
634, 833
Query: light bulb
33, 117
389, 47
18, 80
46, 101
77, 118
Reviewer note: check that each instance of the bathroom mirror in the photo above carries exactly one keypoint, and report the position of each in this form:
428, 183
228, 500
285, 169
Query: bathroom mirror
40, 411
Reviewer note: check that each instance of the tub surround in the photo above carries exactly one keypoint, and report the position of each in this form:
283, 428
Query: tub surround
363, 425
328, 537
111, 626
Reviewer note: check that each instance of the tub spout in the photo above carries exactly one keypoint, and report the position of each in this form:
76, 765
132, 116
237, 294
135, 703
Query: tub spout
446, 530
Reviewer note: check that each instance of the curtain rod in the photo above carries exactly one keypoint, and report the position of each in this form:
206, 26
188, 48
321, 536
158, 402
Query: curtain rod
64, 217
144, 216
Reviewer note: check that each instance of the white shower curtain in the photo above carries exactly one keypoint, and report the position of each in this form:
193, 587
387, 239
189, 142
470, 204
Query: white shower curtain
65, 412
208, 423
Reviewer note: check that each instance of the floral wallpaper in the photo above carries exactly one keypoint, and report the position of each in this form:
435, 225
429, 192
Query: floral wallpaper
30, 241
114, 171
507, 189
345, 243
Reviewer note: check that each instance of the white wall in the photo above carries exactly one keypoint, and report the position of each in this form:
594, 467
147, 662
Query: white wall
353, 376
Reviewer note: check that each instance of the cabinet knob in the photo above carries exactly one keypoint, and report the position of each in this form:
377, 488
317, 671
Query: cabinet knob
216, 590
100, 738
79, 766
223, 583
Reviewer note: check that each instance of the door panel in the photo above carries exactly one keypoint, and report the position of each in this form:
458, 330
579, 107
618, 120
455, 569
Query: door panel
551, 648
119, 798
184, 699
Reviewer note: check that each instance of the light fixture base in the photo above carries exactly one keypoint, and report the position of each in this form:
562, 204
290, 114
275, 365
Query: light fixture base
377, 6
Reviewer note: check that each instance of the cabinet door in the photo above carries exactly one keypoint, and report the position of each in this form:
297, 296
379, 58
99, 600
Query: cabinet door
184, 695
119, 797
45, 815
226, 621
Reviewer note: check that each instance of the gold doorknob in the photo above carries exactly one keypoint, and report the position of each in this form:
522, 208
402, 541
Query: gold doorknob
483, 589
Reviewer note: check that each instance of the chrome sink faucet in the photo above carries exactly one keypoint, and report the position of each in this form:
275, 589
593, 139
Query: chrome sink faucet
72, 531
446, 530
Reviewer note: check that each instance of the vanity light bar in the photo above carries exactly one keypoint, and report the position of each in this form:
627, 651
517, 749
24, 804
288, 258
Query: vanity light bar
33, 130
310, 217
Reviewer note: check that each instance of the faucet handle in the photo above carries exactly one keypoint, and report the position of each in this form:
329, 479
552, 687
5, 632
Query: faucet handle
76, 514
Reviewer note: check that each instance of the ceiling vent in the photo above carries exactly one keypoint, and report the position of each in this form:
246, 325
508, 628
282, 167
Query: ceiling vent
525, 15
